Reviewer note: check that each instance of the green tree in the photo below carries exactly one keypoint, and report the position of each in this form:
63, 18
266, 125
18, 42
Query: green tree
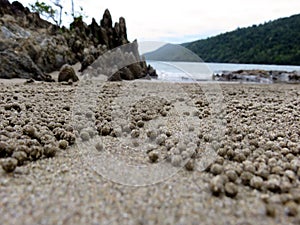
55, 15
47, 11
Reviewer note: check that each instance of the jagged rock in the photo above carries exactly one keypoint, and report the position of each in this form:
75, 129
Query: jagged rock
123, 30
94, 32
107, 32
120, 37
20, 65
33, 21
67, 73
151, 71
45, 47
106, 21
79, 27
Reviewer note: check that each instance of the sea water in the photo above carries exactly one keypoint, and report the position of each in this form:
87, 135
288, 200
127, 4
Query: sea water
190, 71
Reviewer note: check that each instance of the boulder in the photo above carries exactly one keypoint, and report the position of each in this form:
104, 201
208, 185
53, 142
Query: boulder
20, 65
67, 73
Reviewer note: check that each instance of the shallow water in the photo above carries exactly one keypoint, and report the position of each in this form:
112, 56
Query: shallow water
190, 71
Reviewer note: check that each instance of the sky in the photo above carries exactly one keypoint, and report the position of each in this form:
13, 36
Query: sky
183, 21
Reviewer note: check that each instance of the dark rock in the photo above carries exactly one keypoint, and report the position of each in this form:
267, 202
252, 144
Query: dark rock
17, 7
94, 31
120, 30
31, 46
151, 72
20, 65
80, 28
107, 31
67, 73
5, 7
106, 21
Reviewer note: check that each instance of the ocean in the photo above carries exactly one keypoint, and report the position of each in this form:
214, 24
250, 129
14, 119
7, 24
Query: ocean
190, 71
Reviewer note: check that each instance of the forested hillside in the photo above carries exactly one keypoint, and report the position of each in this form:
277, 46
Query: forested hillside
276, 42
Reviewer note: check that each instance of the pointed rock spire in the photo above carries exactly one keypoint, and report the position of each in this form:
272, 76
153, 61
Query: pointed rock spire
106, 21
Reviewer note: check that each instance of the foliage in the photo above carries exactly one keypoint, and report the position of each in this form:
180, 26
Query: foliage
276, 42
49, 12
45, 10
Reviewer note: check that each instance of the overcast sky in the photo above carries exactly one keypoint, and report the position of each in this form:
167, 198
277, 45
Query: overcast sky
183, 21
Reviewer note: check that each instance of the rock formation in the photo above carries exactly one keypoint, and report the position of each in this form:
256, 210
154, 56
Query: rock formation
67, 74
20, 65
122, 63
39, 47
259, 76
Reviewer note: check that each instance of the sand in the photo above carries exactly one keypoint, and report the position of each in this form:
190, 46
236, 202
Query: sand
252, 129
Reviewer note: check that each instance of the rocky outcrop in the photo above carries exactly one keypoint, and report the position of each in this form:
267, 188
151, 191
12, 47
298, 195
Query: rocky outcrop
259, 76
122, 63
20, 65
29, 40
32, 41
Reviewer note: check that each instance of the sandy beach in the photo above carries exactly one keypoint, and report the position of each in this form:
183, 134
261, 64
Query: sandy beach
217, 154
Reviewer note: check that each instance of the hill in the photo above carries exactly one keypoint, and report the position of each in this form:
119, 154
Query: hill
172, 52
275, 42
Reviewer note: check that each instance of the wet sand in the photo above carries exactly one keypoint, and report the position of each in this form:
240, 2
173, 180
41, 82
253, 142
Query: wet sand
252, 179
